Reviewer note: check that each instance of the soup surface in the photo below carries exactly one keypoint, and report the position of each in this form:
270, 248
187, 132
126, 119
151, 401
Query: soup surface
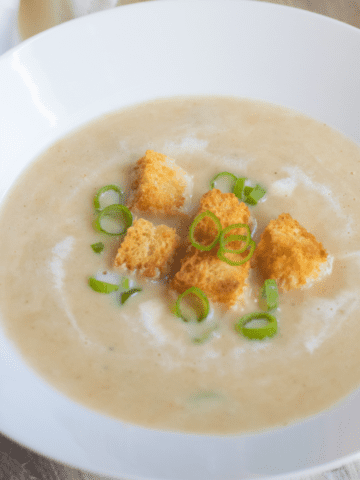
137, 361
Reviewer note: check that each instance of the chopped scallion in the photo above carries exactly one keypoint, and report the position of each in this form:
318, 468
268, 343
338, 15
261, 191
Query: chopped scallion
225, 240
253, 194
113, 220
269, 295
201, 306
221, 252
194, 224
247, 191
231, 179
102, 287
204, 336
125, 284
260, 332
98, 247
129, 293
107, 188
205, 395
239, 187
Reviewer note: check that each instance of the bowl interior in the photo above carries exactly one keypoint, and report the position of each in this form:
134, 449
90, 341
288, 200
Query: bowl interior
73, 73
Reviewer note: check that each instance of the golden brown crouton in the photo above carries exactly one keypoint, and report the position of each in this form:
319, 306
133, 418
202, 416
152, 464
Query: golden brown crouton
220, 281
289, 254
226, 207
159, 186
147, 249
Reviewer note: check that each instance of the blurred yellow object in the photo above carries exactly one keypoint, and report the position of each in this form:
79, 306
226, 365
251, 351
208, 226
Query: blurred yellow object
38, 15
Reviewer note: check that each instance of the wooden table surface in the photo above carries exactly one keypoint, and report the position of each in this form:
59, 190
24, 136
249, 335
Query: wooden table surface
19, 463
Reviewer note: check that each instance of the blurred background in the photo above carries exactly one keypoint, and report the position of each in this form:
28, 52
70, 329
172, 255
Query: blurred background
20, 19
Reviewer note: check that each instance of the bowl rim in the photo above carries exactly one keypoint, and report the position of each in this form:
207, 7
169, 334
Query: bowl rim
94, 20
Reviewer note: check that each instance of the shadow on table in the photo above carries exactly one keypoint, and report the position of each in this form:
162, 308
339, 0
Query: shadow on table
19, 463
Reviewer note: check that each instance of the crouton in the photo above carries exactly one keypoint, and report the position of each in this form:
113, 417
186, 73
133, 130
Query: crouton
147, 249
159, 186
288, 253
220, 281
226, 207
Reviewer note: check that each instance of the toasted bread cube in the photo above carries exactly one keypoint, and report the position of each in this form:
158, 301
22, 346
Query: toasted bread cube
147, 249
226, 207
220, 281
288, 253
159, 186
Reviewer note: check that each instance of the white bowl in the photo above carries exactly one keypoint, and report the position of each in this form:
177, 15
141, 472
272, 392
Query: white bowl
64, 77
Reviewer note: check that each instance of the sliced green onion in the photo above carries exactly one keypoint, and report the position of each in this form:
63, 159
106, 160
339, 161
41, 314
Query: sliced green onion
101, 191
269, 295
247, 191
253, 195
117, 217
201, 216
102, 287
129, 293
257, 333
201, 308
205, 395
239, 187
221, 252
205, 335
98, 247
125, 284
231, 178
224, 240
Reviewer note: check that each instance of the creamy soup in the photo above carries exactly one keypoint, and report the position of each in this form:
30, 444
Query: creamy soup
138, 362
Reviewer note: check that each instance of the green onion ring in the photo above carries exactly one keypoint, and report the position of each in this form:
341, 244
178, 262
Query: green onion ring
102, 287
129, 293
254, 195
269, 295
205, 336
259, 333
106, 189
239, 187
247, 191
224, 240
204, 248
98, 247
222, 174
221, 252
114, 210
203, 300
125, 284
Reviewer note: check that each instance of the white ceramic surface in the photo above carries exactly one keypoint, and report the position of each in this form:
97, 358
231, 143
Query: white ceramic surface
64, 77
